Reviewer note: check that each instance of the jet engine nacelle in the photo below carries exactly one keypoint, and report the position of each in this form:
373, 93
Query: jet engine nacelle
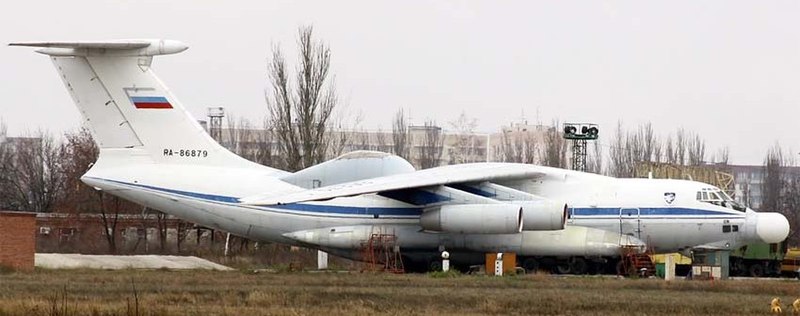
543, 215
474, 219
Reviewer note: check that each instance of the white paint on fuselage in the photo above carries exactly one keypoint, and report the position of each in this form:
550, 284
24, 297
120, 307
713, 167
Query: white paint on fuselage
208, 195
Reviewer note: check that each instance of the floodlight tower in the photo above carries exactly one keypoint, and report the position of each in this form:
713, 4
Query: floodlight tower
579, 134
215, 115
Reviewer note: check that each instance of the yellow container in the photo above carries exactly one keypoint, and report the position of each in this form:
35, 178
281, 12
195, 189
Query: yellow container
791, 262
678, 258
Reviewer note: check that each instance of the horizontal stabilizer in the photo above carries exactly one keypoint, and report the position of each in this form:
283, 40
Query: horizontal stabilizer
135, 47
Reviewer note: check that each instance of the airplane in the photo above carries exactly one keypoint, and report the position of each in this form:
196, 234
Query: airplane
154, 153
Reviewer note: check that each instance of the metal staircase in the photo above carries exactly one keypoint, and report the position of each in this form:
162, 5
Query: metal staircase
634, 263
380, 253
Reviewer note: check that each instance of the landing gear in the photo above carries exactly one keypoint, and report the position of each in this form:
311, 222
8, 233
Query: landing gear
578, 265
531, 265
572, 265
563, 267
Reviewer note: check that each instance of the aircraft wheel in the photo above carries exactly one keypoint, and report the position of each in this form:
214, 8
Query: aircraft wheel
579, 265
531, 265
756, 270
563, 268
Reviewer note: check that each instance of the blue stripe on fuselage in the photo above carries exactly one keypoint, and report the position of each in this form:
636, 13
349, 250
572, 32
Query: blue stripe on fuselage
647, 211
202, 196
415, 211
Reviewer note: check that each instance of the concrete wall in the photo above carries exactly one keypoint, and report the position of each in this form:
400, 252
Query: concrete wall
17, 240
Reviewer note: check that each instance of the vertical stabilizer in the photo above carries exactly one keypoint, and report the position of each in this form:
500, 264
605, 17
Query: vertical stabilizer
126, 106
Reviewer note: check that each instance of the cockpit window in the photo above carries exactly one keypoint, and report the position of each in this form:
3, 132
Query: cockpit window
718, 197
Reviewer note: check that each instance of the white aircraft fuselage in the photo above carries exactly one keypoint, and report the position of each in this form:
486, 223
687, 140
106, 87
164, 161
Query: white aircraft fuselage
152, 152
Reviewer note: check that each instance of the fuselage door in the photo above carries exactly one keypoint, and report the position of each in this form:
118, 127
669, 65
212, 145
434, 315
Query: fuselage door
629, 222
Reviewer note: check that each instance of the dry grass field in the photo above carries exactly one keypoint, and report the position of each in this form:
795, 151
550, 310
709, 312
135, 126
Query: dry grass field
162, 292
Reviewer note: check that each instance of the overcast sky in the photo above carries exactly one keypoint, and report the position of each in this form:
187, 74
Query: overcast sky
726, 69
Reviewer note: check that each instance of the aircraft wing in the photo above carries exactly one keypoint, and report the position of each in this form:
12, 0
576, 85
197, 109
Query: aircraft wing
452, 174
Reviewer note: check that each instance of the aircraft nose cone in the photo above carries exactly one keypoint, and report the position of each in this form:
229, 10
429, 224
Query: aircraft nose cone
772, 227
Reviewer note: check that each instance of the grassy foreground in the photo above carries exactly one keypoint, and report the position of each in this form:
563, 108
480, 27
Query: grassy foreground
94, 292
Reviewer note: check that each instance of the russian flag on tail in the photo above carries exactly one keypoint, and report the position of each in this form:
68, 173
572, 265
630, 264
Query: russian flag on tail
141, 102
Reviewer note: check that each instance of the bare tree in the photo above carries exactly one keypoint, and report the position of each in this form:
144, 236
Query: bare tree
242, 138
464, 147
361, 140
236, 134
647, 141
381, 143
401, 139
773, 180
595, 163
619, 163
430, 153
7, 191
35, 180
555, 147
670, 153
263, 150
696, 150
518, 146
791, 205
635, 147
78, 154
300, 112
722, 156
681, 141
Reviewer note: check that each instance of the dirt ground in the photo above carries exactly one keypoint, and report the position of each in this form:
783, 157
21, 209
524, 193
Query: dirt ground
164, 292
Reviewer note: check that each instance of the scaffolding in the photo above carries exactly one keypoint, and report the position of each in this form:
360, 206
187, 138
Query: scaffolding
381, 253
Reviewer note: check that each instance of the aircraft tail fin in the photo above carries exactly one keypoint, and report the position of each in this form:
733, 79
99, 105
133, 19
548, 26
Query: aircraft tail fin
126, 106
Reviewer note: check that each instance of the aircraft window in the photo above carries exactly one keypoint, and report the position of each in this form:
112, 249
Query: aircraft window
718, 197
726, 228
735, 228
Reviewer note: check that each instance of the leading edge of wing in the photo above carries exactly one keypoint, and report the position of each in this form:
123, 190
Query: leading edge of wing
476, 172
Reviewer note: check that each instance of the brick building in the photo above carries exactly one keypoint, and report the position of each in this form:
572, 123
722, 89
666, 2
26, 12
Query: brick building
133, 234
17, 240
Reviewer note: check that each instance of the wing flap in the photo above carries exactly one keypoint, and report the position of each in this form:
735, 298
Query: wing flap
423, 178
